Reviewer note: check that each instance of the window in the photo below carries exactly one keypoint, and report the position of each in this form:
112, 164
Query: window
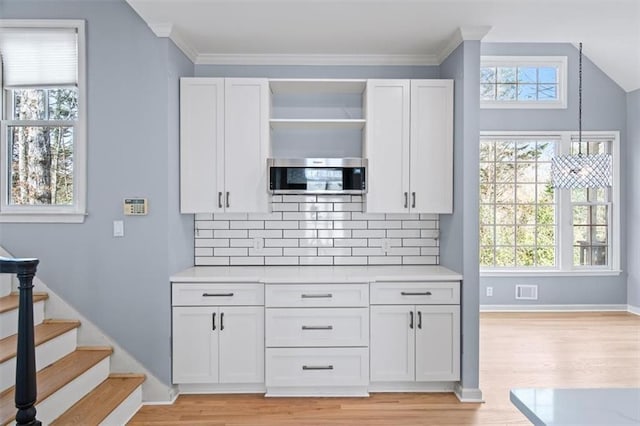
43, 136
523, 82
526, 224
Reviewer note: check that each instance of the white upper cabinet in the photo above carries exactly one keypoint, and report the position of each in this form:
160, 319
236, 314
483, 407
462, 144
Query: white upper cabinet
224, 144
409, 145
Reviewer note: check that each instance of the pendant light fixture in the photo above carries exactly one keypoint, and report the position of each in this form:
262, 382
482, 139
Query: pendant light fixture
581, 170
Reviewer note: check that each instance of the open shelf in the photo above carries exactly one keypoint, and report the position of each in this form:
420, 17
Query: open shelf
282, 123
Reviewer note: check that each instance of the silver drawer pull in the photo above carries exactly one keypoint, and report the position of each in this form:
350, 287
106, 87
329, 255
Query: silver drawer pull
317, 367
217, 294
317, 327
316, 296
409, 293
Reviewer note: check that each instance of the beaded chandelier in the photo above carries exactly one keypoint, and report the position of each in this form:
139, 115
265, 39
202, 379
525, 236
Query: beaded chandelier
581, 170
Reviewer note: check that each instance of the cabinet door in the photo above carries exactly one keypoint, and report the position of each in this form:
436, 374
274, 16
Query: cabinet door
195, 344
241, 344
387, 146
392, 345
201, 144
437, 343
246, 144
431, 166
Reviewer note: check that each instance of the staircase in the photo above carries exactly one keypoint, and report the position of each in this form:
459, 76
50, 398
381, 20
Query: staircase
75, 386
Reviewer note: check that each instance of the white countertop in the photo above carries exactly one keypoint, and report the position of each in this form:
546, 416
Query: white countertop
578, 406
315, 274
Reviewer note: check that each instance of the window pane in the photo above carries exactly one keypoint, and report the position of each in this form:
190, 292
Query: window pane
547, 75
506, 92
505, 193
545, 256
507, 75
505, 214
487, 151
526, 214
544, 172
487, 92
526, 193
63, 104
487, 172
486, 235
486, 256
505, 235
546, 235
505, 151
526, 172
505, 172
527, 92
547, 92
527, 75
546, 150
487, 75
525, 256
41, 165
505, 256
546, 214
525, 235
487, 214
29, 104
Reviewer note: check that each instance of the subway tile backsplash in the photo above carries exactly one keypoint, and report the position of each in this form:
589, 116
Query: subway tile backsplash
316, 230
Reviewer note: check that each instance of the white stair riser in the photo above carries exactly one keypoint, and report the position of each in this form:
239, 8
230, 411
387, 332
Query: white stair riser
127, 408
46, 353
9, 319
52, 407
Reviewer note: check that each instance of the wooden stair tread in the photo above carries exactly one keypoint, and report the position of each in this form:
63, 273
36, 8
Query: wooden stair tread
54, 377
44, 332
10, 302
99, 403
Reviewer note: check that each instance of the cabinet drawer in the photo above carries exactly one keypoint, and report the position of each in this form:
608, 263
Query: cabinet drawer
316, 295
315, 327
415, 293
317, 367
210, 294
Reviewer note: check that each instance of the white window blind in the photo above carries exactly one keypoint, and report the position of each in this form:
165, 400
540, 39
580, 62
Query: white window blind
39, 57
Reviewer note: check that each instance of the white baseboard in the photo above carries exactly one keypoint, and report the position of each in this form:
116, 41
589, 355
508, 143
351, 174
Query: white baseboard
468, 394
554, 308
633, 309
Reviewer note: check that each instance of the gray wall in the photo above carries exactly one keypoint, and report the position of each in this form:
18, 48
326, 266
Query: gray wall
633, 198
317, 71
604, 108
121, 284
459, 231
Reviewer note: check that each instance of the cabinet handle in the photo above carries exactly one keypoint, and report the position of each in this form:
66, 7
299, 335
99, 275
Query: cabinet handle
419, 319
213, 321
227, 199
217, 294
413, 200
411, 293
220, 200
411, 319
316, 296
317, 367
406, 200
221, 321
317, 327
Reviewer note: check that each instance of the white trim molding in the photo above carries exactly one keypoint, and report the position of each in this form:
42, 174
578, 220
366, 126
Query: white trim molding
463, 34
468, 394
633, 309
555, 308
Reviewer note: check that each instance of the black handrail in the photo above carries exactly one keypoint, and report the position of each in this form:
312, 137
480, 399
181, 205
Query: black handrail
26, 390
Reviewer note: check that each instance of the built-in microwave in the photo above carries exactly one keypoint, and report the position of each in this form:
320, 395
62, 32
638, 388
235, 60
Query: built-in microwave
317, 175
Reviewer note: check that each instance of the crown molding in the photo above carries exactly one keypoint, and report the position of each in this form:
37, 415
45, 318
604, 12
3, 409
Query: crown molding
166, 29
314, 59
463, 34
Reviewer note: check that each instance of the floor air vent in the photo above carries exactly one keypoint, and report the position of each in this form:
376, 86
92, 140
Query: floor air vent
527, 292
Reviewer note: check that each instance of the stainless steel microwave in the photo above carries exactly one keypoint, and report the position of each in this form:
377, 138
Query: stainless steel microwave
317, 175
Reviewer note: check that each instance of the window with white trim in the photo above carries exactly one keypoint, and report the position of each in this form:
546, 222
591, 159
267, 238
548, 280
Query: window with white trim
43, 132
526, 224
523, 82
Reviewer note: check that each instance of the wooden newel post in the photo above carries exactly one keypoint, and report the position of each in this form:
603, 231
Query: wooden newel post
26, 389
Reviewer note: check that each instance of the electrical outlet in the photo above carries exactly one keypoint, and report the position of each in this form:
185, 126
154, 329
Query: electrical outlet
489, 291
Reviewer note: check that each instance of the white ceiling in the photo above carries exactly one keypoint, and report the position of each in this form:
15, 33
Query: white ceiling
392, 31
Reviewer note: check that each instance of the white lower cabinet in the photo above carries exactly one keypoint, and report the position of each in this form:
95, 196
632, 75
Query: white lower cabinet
317, 339
415, 343
218, 344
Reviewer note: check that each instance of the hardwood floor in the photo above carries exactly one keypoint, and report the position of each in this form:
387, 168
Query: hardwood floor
516, 350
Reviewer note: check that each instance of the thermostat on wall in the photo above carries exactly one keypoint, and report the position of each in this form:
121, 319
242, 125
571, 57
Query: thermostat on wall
135, 206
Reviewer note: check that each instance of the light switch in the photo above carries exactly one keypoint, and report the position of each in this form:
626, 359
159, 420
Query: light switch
118, 228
